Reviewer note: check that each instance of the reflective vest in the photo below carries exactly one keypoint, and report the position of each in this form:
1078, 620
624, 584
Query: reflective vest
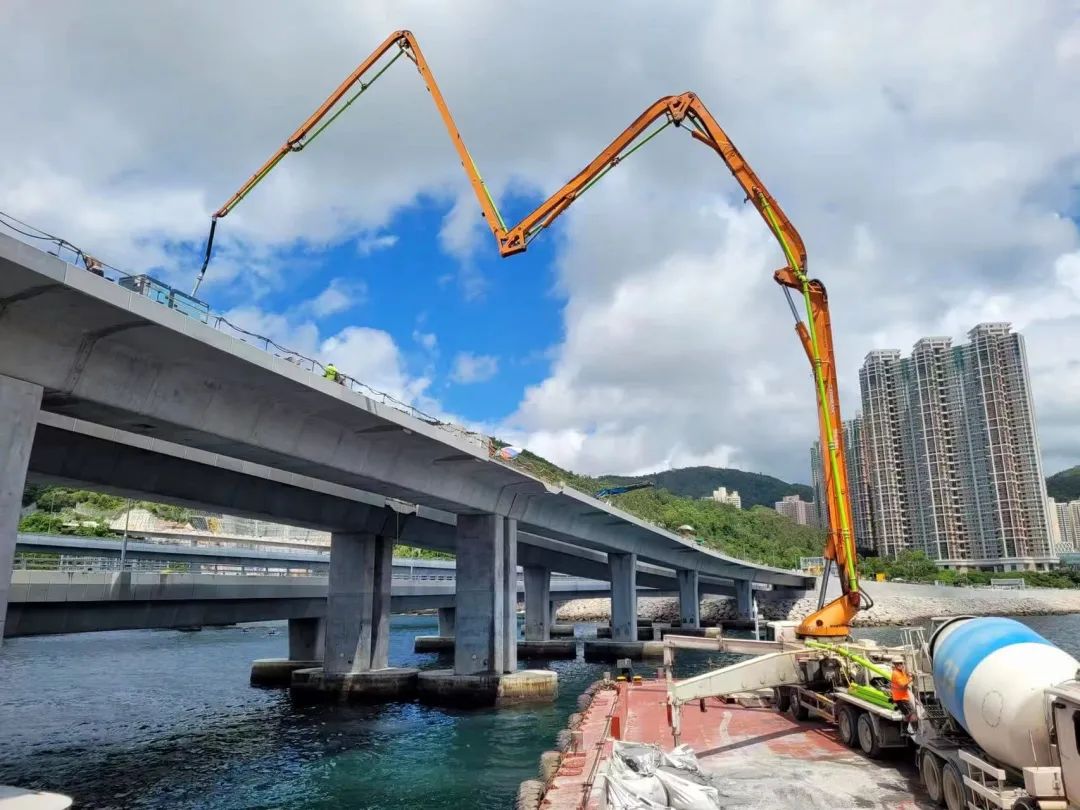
900, 682
331, 372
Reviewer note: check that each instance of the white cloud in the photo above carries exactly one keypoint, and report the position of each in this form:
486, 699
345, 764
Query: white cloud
371, 356
366, 244
340, 295
474, 368
427, 340
931, 162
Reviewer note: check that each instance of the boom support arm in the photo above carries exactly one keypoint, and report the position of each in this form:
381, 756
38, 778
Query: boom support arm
684, 109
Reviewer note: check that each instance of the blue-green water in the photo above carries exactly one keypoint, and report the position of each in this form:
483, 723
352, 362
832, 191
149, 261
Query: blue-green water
147, 719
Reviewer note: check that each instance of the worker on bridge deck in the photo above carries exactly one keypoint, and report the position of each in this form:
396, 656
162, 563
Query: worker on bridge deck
331, 373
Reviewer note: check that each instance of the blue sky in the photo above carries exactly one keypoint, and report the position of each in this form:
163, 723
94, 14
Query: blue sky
931, 163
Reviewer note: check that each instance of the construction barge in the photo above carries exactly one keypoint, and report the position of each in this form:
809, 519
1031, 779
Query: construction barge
993, 722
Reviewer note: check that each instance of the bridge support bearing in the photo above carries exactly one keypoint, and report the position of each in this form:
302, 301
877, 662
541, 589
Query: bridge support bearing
537, 603
374, 686
689, 599
19, 405
486, 595
442, 687
624, 621
550, 648
602, 650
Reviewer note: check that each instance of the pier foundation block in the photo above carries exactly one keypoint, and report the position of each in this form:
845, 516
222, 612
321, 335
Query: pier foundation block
604, 650
441, 687
277, 671
374, 686
552, 648
427, 644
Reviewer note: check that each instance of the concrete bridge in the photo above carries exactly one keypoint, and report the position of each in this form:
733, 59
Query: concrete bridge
104, 388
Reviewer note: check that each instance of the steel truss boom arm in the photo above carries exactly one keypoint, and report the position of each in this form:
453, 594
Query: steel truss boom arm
684, 109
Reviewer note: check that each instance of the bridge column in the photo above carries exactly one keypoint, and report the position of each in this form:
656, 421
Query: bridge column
447, 617
537, 603
623, 569
485, 637
744, 599
689, 599
306, 639
19, 405
356, 665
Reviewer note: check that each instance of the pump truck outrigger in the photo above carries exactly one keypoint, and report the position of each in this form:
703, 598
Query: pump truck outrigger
815, 333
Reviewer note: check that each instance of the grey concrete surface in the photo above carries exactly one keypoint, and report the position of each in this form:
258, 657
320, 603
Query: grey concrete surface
116, 359
447, 621
307, 639
19, 403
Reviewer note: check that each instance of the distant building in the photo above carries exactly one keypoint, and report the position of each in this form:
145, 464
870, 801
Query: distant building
794, 507
817, 483
951, 453
730, 498
1064, 525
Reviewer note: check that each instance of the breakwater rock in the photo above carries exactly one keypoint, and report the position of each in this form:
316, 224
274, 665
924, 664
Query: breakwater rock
894, 604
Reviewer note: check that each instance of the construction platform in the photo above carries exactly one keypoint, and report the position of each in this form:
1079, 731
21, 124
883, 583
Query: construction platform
757, 758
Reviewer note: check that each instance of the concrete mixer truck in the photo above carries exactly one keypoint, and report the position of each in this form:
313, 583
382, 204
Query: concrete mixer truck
999, 717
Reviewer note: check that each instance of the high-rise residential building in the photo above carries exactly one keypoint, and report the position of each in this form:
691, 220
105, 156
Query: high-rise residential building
817, 483
882, 440
730, 498
1064, 521
952, 455
794, 507
858, 485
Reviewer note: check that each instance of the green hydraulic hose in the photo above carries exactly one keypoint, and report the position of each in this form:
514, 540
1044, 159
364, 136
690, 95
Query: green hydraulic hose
819, 379
354, 97
866, 663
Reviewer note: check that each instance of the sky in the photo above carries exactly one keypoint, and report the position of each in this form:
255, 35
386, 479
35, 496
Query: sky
928, 154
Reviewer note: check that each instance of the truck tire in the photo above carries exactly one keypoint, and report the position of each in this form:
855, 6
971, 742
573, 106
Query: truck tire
930, 769
847, 720
796, 711
869, 742
781, 698
952, 787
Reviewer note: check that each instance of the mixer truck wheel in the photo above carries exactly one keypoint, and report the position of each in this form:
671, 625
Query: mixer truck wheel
847, 720
781, 698
796, 710
869, 742
952, 786
930, 768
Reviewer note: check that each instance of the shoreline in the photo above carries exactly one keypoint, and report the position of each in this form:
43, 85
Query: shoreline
894, 604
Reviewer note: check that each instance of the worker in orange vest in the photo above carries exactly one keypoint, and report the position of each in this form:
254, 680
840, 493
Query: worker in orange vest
900, 683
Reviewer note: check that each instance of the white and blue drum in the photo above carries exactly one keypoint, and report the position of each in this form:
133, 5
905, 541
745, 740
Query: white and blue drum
990, 674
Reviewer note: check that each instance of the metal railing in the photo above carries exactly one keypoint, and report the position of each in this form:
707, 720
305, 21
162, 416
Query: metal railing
193, 308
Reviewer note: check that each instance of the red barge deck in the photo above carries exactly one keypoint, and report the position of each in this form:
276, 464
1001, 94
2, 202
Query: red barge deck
756, 757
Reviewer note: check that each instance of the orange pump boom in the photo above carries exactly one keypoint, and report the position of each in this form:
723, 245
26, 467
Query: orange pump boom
683, 110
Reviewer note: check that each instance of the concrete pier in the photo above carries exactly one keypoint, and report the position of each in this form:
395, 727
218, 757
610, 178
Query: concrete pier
357, 631
624, 622
435, 644
306, 644
486, 592
538, 608
689, 598
19, 404
447, 617
744, 598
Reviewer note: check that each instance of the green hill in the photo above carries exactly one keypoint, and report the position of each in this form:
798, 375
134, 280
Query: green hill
1065, 485
756, 533
756, 489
